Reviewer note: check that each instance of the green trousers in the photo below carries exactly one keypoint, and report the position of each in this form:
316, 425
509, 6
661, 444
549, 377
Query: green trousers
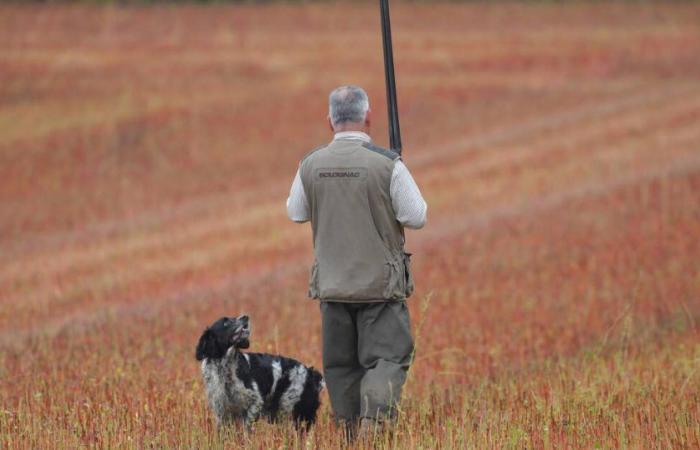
367, 350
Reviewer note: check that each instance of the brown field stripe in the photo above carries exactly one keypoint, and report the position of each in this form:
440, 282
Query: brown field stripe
195, 209
104, 108
508, 154
141, 271
38, 242
282, 271
636, 153
549, 123
149, 307
215, 257
681, 167
144, 269
190, 250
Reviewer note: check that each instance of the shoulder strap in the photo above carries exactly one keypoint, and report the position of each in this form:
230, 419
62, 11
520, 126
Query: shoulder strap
392, 155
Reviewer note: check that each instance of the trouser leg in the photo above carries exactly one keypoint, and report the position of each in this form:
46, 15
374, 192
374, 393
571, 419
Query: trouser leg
385, 347
341, 368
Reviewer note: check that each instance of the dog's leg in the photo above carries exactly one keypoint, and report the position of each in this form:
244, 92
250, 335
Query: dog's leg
255, 408
306, 407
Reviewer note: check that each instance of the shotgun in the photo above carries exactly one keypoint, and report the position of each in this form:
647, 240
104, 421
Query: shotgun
394, 129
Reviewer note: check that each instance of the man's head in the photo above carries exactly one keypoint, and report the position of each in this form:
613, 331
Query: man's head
348, 109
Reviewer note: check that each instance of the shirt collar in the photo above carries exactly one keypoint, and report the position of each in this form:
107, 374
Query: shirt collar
359, 135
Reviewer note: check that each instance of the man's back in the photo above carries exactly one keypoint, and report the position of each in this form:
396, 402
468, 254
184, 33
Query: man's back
358, 242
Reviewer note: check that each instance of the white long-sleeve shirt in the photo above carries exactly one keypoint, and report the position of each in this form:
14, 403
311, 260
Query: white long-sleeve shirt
411, 210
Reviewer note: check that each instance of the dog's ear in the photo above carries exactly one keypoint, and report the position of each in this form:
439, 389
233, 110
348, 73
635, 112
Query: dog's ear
206, 348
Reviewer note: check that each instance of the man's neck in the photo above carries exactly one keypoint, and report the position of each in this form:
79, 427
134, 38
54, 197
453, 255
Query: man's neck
352, 134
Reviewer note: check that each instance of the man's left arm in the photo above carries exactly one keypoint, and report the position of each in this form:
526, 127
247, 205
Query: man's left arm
411, 210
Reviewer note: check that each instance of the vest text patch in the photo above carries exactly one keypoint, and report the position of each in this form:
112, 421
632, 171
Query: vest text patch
341, 173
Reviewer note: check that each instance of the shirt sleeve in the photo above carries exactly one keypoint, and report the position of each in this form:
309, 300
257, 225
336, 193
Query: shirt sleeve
411, 210
297, 205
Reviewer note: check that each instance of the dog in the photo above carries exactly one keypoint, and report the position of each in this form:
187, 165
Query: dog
245, 386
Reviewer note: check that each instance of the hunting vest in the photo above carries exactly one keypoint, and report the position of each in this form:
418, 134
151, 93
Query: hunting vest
358, 243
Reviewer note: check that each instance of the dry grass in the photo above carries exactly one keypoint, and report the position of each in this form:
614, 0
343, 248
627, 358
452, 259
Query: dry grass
145, 155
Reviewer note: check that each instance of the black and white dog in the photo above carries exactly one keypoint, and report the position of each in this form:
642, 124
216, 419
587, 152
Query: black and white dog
245, 386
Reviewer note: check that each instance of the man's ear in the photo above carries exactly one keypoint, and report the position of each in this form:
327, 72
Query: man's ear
330, 124
368, 118
206, 346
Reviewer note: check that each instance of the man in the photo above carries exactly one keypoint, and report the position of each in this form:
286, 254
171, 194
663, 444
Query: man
358, 198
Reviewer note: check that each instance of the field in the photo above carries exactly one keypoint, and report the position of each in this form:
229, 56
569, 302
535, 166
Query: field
146, 154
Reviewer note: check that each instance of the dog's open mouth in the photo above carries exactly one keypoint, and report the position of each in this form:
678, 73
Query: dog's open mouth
241, 336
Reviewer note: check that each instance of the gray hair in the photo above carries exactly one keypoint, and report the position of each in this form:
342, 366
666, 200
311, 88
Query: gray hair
347, 104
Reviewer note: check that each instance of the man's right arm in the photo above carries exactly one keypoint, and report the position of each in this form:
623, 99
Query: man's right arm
297, 205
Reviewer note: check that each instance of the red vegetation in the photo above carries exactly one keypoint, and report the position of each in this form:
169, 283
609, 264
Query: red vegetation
146, 153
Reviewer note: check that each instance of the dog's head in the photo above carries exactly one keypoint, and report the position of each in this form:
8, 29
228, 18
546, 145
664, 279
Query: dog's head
223, 334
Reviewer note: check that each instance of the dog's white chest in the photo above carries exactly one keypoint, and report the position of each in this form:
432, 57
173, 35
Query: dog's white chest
227, 395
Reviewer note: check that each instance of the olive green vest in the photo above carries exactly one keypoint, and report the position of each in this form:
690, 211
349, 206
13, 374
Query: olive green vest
358, 243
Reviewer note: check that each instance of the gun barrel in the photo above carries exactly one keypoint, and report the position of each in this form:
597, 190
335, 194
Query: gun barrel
393, 111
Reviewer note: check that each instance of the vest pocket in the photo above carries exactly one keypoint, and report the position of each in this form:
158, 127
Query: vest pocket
313, 281
397, 287
393, 290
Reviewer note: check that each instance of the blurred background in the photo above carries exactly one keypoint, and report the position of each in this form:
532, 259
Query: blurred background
147, 150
